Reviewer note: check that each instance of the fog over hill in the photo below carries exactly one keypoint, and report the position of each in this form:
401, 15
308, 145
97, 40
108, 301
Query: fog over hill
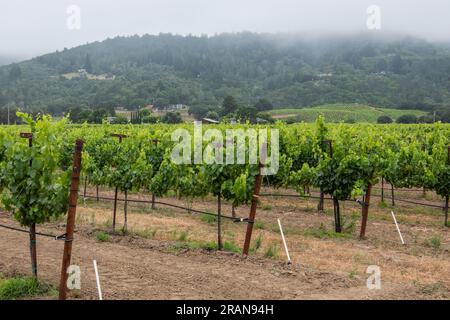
38, 27
287, 69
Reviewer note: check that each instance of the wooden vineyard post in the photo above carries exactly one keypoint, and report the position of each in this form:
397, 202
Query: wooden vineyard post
251, 217
321, 201
392, 195
336, 207
70, 226
322, 195
382, 189
115, 209
446, 197
125, 211
155, 141
255, 199
85, 186
153, 201
337, 215
446, 211
365, 211
120, 137
33, 251
219, 214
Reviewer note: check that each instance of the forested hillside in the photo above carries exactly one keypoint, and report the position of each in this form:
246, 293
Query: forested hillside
287, 70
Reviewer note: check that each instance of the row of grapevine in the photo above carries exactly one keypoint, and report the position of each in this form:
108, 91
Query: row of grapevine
343, 161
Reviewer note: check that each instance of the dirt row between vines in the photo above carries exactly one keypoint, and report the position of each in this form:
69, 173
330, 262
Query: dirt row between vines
150, 263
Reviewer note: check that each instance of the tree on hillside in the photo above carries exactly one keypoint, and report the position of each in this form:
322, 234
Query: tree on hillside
144, 113
120, 120
263, 105
229, 105
98, 115
407, 119
384, 119
246, 114
172, 117
397, 64
74, 114
3, 99
198, 112
212, 115
15, 72
443, 115
88, 64
427, 118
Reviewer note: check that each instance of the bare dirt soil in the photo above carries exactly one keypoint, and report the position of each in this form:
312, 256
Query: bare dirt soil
159, 258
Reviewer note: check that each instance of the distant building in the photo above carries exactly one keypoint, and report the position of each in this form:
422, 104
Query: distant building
325, 75
209, 121
260, 120
178, 106
82, 72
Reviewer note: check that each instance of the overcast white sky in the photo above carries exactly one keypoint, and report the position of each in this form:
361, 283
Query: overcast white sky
29, 28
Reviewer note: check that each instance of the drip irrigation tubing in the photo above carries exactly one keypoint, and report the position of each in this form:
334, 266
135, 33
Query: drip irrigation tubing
235, 219
327, 198
27, 231
400, 190
412, 202
292, 195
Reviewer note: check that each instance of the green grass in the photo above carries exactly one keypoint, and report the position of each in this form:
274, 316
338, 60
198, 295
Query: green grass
352, 274
272, 251
192, 245
107, 224
231, 247
24, 287
210, 246
323, 233
208, 218
146, 233
182, 236
434, 242
259, 225
101, 236
343, 112
256, 244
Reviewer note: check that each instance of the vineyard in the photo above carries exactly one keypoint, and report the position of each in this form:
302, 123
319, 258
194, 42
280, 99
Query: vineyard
347, 176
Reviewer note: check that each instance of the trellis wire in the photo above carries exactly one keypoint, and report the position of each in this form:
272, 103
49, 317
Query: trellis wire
235, 219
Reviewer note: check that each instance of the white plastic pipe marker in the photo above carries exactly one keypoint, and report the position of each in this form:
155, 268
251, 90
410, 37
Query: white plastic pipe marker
284, 242
98, 281
398, 229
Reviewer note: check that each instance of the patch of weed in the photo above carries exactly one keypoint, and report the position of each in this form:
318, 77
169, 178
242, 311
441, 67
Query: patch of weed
21, 287
271, 251
208, 218
101, 236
